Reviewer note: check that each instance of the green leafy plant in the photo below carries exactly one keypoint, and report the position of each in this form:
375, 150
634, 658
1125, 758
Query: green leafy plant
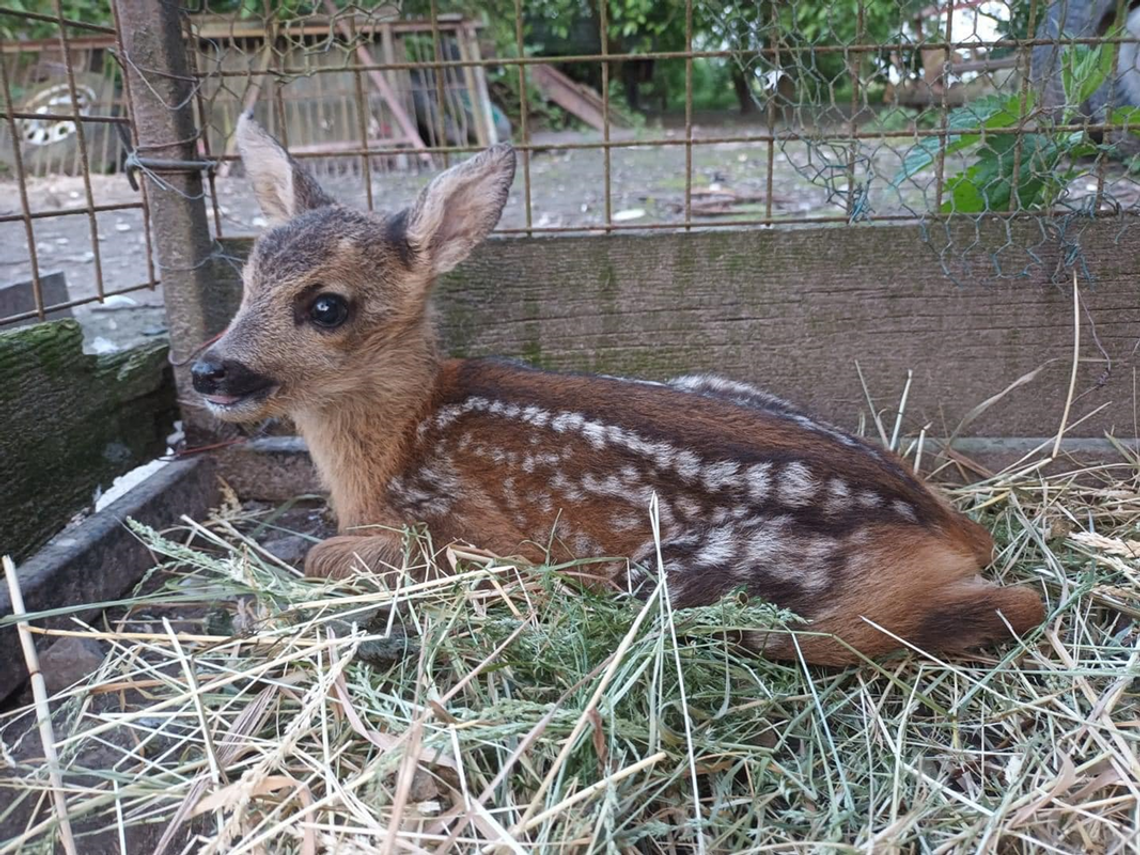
1021, 170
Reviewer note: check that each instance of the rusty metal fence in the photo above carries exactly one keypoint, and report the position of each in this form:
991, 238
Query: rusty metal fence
63, 113
826, 114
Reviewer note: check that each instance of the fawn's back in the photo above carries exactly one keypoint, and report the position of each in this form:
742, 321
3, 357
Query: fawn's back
334, 330
752, 494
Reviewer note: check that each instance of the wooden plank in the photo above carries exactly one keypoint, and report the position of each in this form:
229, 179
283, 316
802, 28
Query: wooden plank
473, 93
101, 559
575, 98
72, 422
794, 310
226, 27
252, 93
481, 94
407, 126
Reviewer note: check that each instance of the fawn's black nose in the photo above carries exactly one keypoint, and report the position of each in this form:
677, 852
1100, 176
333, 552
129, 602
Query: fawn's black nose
207, 375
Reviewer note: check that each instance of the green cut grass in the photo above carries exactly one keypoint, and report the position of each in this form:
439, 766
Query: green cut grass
521, 713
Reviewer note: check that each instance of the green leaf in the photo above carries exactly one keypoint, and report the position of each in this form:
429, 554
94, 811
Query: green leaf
987, 185
1084, 69
991, 111
1128, 117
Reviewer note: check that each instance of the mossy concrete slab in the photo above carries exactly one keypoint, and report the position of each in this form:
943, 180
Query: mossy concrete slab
71, 422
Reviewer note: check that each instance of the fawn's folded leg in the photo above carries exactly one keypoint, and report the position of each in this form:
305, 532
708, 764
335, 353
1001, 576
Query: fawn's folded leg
339, 556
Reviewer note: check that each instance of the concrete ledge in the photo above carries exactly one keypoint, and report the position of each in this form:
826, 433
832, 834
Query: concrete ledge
100, 560
270, 469
995, 454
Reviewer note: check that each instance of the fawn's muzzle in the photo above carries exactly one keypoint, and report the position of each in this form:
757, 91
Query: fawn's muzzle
226, 383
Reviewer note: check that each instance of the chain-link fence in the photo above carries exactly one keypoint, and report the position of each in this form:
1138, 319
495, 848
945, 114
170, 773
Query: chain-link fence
628, 115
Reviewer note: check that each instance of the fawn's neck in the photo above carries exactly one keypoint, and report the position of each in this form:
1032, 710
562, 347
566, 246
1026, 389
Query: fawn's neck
362, 441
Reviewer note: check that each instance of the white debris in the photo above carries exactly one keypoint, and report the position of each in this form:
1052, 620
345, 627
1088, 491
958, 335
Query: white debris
629, 214
126, 481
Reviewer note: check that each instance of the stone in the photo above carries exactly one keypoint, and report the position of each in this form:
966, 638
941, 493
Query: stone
68, 661
19, 297
288, 548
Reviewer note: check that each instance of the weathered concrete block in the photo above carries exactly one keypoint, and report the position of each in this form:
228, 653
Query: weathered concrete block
71, 423
19, 297
100, 559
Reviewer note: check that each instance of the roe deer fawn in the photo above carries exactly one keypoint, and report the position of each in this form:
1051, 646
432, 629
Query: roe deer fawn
335, 330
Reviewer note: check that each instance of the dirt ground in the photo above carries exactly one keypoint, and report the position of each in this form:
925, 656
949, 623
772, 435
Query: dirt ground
567, 189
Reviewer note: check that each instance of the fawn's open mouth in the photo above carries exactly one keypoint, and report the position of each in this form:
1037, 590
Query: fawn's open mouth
225, 404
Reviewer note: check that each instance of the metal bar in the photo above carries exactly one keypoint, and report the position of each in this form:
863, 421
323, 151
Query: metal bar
829, 219
57, 19
769, 180
1024, 57
440, 73
1109, 108
300, 71
134, 144
204, 125
65, 117
154, 53
853, 62
68, 212
362, 123
523, 119
25, 207
79, 301
940, 166
81, 142
701, 141
604, 35
688, 114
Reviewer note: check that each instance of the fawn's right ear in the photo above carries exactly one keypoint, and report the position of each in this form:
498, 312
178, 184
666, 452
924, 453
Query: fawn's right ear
282, 187
460, 207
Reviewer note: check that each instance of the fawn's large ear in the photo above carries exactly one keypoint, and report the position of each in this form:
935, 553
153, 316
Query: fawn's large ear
282, 187
460, 207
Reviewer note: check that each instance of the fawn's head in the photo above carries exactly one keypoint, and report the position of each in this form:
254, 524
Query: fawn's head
335, 300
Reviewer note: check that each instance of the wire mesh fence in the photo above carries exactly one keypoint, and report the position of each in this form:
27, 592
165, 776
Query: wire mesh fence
64, 134
679, 115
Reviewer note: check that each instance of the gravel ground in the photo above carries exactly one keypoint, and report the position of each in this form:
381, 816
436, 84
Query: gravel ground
567, 189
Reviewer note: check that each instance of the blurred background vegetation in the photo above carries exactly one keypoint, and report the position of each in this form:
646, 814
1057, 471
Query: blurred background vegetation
573, 27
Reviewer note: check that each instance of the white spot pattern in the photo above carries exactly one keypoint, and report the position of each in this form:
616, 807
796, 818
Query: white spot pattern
796, 485
719, 548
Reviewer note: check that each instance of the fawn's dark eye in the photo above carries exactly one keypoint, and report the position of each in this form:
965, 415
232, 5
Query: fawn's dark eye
328, 311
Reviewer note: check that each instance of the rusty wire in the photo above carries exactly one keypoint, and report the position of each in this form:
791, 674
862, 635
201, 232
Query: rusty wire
280, 68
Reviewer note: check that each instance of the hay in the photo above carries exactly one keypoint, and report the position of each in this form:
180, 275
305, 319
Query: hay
523, 714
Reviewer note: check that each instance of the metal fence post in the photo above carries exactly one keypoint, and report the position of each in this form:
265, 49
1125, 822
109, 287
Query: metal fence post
160, 89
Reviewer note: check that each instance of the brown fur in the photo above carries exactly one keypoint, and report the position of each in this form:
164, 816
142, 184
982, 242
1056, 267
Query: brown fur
753, 493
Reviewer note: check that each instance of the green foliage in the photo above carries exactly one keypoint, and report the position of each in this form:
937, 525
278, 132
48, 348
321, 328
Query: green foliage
1084, 69
15, 29
1021, 170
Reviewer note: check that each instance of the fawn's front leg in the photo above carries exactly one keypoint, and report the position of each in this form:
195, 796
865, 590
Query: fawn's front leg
337, 557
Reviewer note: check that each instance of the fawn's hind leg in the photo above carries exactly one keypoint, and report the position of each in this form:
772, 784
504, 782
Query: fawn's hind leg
974, 613
926, 592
